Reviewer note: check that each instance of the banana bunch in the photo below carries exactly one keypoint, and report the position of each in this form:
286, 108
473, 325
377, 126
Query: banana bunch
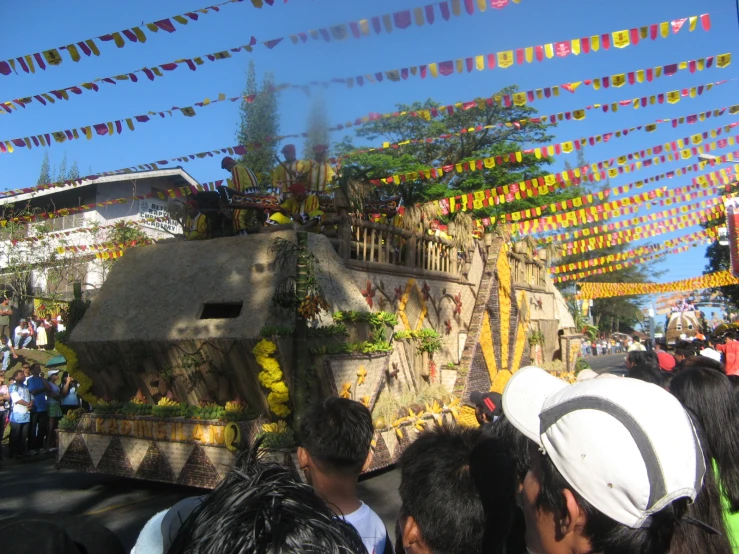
278, 428
312, 305
283, 439
107, 408
69, 422
136, 408
237, 411
167, 402
209, 411
137, 400
235, 406
169, 408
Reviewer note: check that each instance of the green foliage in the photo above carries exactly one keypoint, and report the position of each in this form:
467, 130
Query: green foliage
324, 331
366, 347
536, 337
107, 408
135, 409
269, 331
45, 174
70, 420
581, 364
259, 122
208, 412
285, 439
170, 410
428, 340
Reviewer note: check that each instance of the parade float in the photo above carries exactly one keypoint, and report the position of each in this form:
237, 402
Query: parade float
194, 349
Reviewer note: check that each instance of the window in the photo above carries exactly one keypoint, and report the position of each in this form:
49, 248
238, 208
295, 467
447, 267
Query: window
679, 326
690, 326
221, 310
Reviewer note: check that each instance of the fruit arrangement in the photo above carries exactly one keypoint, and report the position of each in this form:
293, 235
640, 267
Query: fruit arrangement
236, 411
277, 435
169, 408
107, 408
69, 422
209, 411
312, 305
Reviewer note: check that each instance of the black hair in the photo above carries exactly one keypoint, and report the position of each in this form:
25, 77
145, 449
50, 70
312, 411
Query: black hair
693, 362
261, 507
16, 372
337, 433
640, 358
648, 375
606, 535
684, 352
461, 497
636, 339
734, 380
708, 394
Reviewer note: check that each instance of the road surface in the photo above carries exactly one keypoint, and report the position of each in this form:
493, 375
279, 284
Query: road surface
124, 505
613, 363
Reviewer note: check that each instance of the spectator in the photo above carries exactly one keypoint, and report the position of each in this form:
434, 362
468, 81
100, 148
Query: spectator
42, 340
640, 358
38, 387
53, 397
636, 345
336, 435
70, 400
457, 494
4, 407
614, 464
6, 313
709, 395
665, 359
7, 350
488, 406
20, 418
23, 334
730, 350
681, 354
710, 352
260, 507
648, 375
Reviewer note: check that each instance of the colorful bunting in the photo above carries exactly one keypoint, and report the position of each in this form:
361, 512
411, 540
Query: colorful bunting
590, 291
90, 47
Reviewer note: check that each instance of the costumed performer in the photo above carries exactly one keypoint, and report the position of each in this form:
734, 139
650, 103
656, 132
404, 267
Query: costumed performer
242, 179
321, 173
300, 207
290, 171
435, 230
196, 224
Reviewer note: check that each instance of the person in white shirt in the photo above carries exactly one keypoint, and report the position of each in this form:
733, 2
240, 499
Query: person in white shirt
23, 334
337, 435
636, 345
20, 418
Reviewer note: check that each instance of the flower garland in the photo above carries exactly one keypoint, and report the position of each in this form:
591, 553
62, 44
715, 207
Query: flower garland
271, 377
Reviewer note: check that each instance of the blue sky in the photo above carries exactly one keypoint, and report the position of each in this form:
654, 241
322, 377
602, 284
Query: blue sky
45, 24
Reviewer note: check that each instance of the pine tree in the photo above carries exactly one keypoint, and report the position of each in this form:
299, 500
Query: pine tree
317, 127
74, 172
259, 123
45, 175
62, 171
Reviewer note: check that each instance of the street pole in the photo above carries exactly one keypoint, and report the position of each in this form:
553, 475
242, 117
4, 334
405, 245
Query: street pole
651, 326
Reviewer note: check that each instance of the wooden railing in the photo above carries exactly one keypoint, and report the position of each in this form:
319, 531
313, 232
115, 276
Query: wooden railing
374, 243
527, 271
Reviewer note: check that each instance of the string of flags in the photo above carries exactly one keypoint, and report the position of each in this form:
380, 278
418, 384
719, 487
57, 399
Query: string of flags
103, 246
623, 265
549, 183
91, 47
70, 232
589, 291
629, 235
636, 221
608, 259
522, 218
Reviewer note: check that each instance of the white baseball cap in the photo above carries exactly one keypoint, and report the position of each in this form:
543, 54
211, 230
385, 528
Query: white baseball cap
626, 446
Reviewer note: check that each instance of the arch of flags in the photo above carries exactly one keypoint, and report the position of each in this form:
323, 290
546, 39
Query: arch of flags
595, 215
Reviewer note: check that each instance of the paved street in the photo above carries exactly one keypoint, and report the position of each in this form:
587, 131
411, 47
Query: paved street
613, 363
124, 505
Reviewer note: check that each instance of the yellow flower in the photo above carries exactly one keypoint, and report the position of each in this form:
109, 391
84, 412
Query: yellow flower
280, 410
264, 348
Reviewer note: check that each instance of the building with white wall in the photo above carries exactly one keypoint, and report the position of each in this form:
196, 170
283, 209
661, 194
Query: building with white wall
72, 240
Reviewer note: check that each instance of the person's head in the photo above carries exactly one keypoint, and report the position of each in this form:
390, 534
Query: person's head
23, 323
289, 152
261, 507
457, 493
319, 152
35, 370
681, 354
5, 300
708, 395
53, 376
336, 436
19, 376
488, 406
642, 358
660, 345
2, 377
614, 463
26, 368
298, 191
648, 375
635, 338
228, 163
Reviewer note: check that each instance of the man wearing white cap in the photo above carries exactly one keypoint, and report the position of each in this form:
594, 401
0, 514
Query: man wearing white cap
617, 462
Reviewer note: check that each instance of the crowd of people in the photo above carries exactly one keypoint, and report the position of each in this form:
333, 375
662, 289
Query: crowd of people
603, 347
32, 405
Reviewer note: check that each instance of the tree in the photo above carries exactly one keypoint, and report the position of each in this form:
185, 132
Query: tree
259, 124
74, 172
45, 175
62, 171
317, 127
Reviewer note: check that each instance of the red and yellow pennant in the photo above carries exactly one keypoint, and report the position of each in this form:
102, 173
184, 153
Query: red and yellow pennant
590, 291
623, 265
91, 47
102, 246
711, 233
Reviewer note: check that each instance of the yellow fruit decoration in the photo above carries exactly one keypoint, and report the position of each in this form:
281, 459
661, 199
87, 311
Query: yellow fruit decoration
232, 435
346, 390
365, 400
361, 374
